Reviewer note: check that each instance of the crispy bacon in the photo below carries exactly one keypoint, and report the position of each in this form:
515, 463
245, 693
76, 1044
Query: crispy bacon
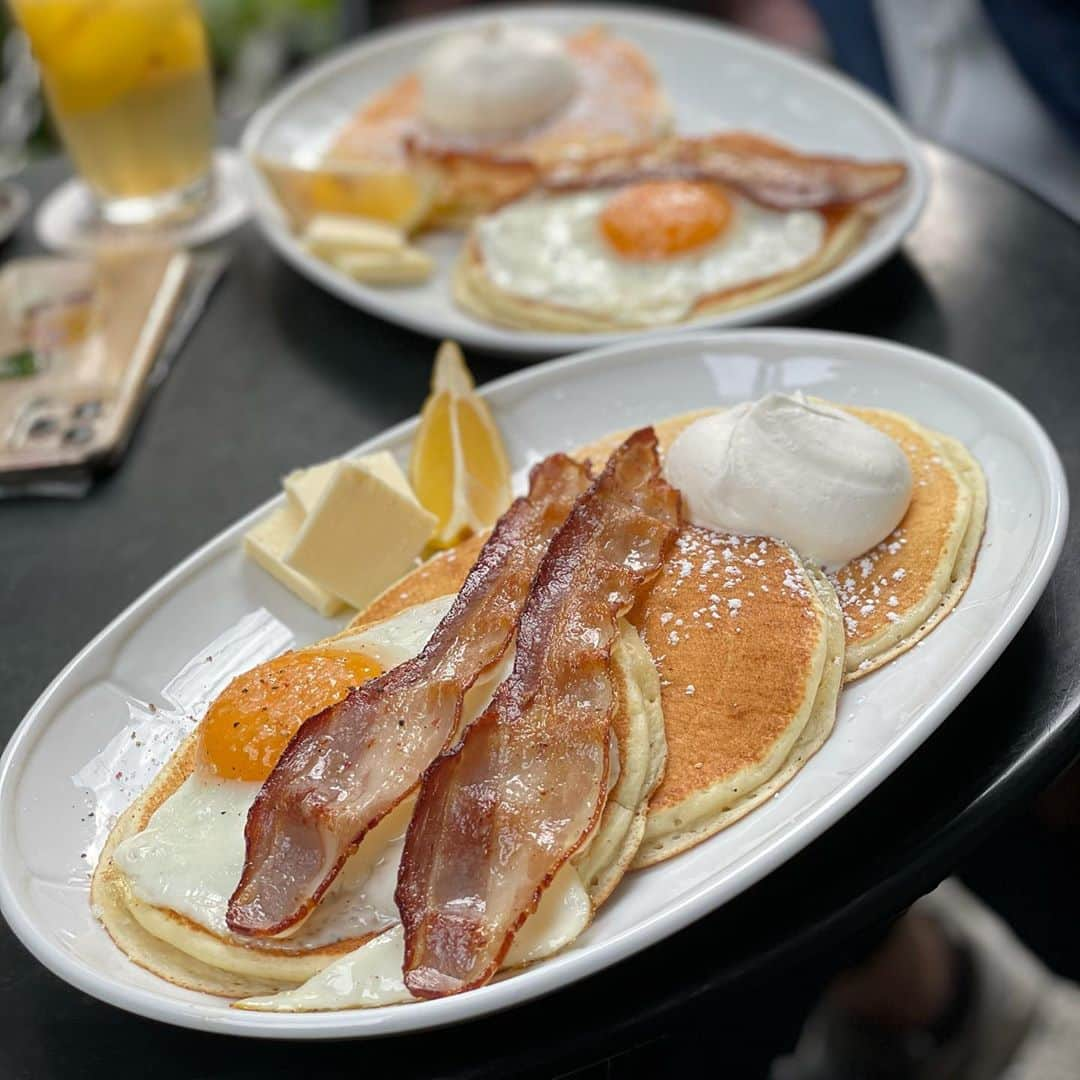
765, 172
498, 816
349, 765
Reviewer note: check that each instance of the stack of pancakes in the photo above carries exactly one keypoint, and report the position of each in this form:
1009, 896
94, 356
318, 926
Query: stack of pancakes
752, 645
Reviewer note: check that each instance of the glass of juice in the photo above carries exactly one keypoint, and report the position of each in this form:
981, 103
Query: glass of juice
129, 85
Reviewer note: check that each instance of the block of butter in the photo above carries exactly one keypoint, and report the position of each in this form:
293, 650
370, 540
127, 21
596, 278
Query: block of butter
330, 234
304, 486
266, 544
363, 532
410, 266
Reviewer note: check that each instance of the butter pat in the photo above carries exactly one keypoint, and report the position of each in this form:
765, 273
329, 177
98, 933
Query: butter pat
304, 486
329, 234
266, 544
410, 266
364, 532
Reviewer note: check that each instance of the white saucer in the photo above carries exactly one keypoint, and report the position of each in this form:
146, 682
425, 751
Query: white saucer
67, 219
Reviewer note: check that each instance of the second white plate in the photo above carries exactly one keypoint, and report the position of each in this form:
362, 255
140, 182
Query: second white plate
716, 79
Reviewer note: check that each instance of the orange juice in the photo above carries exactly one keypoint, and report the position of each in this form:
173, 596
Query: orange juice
129, 86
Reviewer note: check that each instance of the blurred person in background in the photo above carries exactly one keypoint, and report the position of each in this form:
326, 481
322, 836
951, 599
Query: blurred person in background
997, 80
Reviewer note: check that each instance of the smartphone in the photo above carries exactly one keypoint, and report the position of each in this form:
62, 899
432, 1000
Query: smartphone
79, 340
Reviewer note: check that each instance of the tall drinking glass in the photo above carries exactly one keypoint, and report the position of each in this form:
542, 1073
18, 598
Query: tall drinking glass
129, 85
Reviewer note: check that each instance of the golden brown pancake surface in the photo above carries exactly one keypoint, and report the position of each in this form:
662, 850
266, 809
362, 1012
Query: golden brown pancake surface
889, 593
891, 577
734, 628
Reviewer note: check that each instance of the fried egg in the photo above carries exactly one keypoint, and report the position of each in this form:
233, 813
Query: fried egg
645, 253
189, 857
182, 868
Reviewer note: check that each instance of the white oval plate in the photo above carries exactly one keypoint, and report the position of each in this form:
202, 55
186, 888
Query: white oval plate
882, 718
716, 80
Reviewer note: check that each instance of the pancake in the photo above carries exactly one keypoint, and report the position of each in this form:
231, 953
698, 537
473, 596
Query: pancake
720, 764
620, 104
476, 292
895, 594
749, 646
641, 737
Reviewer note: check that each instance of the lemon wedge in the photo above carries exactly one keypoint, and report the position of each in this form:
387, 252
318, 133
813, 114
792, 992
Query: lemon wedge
459, 469
396, 196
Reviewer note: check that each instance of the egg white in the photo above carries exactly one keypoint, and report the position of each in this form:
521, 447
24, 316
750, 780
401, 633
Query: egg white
371, 975
551, 250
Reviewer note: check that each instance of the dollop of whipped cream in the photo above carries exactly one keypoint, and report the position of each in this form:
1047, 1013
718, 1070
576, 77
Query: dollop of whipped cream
496, 80
797, 470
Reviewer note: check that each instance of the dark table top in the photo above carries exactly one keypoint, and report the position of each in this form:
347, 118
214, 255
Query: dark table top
279, 373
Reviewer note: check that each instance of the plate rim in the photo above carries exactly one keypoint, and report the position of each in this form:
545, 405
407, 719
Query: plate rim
544, 978
497, 340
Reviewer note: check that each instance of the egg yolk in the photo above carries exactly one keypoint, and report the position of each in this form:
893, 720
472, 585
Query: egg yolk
252, 720
661, 218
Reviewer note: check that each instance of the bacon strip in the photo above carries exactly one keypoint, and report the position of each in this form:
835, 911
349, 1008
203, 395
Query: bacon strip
765, 172
350, 765
497, 816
